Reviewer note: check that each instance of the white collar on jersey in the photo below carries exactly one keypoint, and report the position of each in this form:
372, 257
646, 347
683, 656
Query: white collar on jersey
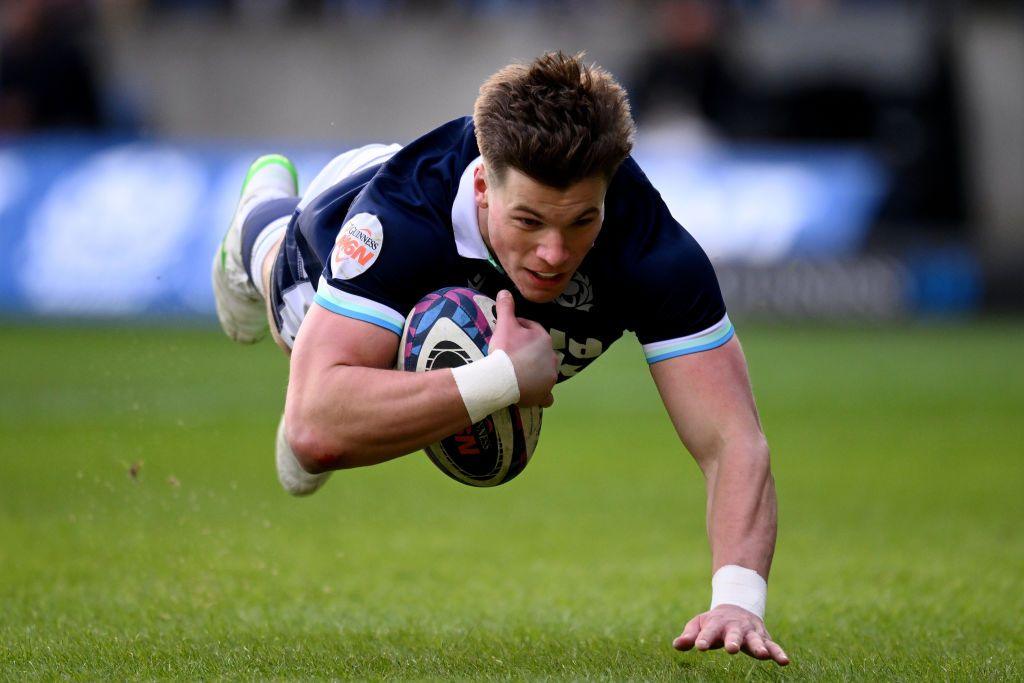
468, 240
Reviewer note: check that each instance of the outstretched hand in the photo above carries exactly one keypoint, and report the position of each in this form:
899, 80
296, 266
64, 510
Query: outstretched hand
528, 345
733, 628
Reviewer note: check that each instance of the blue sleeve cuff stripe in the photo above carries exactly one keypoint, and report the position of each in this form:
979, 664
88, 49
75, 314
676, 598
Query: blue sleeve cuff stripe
685, 351
357, 315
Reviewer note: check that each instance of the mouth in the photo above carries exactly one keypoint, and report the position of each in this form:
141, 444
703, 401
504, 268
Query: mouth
545, 280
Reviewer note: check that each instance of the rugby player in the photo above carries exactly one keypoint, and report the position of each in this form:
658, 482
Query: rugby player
534, 200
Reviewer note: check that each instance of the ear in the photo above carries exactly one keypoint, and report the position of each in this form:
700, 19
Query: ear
480, 187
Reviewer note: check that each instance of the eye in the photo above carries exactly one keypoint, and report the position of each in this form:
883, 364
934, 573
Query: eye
528, 222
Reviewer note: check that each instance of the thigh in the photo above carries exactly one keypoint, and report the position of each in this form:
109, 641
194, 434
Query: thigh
268, 277
291, 292
290, 287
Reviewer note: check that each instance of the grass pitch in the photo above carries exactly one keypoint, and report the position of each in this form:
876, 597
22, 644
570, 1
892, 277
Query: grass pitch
143, 534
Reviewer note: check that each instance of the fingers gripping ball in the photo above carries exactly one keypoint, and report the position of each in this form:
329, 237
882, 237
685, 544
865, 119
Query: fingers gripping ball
449, 328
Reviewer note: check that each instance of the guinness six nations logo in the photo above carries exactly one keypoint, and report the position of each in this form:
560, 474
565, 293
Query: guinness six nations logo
357, 246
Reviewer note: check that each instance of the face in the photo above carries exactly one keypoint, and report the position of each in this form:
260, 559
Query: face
539, 234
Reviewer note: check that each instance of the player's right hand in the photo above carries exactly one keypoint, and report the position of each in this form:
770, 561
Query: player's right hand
733, 628
528, 345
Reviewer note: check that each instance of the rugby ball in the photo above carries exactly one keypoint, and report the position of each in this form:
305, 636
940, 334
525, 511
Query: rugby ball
449, 328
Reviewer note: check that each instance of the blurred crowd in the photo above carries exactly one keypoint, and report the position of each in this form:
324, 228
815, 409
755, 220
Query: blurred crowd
685, 78
48, 71
689, 81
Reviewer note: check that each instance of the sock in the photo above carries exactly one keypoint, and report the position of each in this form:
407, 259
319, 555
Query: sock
262, 227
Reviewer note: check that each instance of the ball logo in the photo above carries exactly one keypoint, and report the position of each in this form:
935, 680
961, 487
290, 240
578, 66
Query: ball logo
356, 248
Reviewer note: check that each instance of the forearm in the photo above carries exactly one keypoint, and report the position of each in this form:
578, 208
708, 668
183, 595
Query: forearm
356, 416
741, 508
708, 397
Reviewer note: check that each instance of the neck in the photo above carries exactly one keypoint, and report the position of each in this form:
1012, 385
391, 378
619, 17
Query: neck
481, 221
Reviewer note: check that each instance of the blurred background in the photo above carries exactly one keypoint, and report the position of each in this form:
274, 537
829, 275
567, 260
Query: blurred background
838, 159
854, 169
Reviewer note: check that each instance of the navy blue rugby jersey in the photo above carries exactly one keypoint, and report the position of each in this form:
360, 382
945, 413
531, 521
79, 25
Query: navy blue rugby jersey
382, 239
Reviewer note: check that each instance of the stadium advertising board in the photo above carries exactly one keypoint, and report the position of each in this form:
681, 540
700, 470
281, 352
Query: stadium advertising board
106, 228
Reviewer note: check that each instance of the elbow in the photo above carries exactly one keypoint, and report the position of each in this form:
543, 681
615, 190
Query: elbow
308, 448
758, 449
753, 459
753, 452
317, 451
748, 451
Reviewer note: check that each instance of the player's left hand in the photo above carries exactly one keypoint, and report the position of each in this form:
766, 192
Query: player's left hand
733, 628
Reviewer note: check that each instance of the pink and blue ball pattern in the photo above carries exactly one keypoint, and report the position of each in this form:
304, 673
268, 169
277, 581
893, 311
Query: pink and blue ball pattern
456, 303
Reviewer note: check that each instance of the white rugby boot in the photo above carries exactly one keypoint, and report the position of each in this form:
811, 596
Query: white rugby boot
240, 308
293, 478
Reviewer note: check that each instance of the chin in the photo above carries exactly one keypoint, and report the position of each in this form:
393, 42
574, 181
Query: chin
537, 296
540, 299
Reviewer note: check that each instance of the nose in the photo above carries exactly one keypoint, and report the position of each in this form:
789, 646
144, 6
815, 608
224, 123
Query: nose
552, 250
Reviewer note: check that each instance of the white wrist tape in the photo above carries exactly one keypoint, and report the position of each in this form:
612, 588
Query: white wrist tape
487, 385
736, 585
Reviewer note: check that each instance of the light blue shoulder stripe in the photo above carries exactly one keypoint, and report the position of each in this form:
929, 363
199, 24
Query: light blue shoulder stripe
706, 343
357, 314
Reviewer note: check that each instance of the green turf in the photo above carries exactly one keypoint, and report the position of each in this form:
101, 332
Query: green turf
897, 453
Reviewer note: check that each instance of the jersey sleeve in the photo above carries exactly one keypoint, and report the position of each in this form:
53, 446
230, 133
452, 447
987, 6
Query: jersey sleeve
676, 302
384, 252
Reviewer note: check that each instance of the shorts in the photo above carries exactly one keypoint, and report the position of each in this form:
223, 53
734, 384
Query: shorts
297, 270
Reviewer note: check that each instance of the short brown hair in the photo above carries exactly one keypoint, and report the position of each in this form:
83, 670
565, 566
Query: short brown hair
556, 119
